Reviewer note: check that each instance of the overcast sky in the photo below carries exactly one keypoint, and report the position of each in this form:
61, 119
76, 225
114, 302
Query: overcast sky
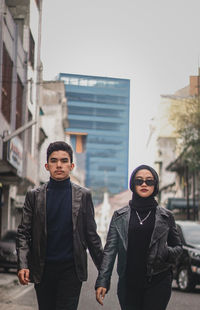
154, 43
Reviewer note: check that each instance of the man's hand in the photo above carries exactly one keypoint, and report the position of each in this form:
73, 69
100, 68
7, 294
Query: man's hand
100, 294
23, 276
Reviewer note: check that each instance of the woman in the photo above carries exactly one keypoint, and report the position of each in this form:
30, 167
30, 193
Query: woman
144, 237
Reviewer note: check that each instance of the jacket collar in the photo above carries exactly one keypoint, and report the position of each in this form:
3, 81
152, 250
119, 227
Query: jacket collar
123, 217
121, 222
123, 210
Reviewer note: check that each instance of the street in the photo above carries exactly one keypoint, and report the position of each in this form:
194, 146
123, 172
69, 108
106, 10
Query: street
15, 297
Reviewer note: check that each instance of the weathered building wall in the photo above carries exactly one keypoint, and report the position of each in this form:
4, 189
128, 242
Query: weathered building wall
19, 58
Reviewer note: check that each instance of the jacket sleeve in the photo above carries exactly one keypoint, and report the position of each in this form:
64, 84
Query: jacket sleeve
174, 242
109, 256
93, 240
23, 239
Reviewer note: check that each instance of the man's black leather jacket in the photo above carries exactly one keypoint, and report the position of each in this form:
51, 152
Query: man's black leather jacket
32, 232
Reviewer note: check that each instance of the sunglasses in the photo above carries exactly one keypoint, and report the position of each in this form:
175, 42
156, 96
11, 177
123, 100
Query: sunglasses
147, 182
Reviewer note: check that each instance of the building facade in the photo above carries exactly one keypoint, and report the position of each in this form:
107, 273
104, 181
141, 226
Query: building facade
179, 185
53, 119
20, 30
98, 114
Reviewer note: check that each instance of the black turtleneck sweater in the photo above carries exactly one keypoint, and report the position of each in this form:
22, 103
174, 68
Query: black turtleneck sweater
139, 237
59, 221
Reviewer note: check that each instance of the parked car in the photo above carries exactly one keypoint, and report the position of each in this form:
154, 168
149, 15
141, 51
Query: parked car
8, 254
187, 270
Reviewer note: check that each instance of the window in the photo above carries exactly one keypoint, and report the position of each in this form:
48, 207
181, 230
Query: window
31, 90
78, 141
6, 85
77, 110
31, 50
107, 168
81, 124
86, 97
29, 133
19, 103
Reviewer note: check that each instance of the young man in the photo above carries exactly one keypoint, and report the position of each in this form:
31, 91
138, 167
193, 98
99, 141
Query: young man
56, 229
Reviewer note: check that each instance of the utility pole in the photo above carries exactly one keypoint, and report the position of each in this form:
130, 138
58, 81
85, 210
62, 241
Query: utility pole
187, 190
194, 200
1, 190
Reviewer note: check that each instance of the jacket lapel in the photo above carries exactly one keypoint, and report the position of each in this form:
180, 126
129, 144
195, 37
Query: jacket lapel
121, 223
161, 225
76, 203
41, 206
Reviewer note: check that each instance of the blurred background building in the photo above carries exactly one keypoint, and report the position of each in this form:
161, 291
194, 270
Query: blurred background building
175, 143
106, 208
98, 114
54, 121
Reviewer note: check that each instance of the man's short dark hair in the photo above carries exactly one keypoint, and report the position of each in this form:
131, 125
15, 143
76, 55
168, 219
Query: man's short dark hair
60, 146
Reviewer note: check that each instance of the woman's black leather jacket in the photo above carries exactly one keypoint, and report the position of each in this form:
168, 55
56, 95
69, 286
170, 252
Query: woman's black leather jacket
164, 248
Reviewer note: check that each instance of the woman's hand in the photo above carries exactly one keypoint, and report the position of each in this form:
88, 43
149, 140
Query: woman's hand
100, 294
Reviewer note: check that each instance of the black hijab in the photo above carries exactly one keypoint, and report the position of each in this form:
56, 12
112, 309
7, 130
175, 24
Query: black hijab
137, 201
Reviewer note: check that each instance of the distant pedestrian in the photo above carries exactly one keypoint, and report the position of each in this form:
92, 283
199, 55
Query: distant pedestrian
56, 229
144, 237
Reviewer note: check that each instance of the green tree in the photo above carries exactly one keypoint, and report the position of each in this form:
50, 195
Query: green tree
185, 117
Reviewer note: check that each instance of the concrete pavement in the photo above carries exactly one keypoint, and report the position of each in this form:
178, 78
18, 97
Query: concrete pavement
16, 297
11, 290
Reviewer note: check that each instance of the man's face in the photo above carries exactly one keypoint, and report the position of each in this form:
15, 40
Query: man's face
59, 165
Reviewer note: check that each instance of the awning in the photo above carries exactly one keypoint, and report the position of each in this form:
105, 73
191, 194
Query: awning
8, 174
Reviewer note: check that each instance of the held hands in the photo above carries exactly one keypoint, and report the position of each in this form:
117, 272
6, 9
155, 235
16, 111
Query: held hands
23, 276
100, 294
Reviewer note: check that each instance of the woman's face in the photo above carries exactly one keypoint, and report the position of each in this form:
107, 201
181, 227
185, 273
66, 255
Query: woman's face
144, 190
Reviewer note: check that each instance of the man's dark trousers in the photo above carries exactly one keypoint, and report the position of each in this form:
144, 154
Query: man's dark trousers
60, 287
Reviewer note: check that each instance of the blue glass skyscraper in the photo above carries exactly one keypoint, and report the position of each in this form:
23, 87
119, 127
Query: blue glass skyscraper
98, 109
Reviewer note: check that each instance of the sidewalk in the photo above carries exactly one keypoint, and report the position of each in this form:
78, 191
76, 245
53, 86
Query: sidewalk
4, 306
7, 279
10, 291
8, 283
